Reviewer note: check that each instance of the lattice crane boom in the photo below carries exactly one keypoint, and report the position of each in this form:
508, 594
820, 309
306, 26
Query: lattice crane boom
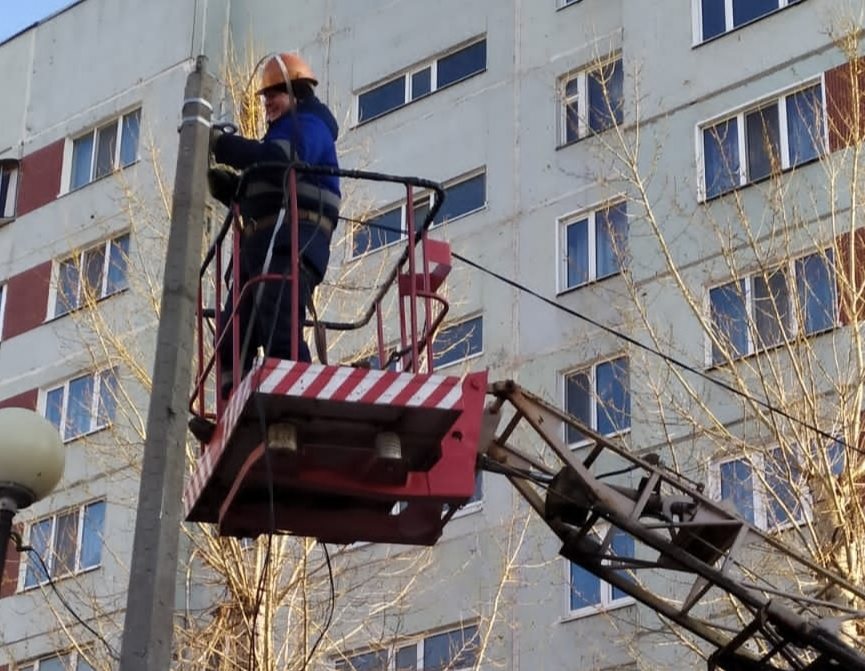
694, 561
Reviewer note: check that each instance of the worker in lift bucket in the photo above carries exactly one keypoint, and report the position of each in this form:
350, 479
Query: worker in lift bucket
300, 128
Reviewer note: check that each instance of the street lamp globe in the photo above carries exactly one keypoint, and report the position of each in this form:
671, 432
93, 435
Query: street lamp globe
31, 456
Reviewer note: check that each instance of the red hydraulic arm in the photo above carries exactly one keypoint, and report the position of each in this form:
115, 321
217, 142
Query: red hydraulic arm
681, 539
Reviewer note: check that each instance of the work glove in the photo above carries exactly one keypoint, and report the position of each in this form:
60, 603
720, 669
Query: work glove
217, 130
222, 184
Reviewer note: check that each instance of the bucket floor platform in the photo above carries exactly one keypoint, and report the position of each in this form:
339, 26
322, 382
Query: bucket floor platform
350, 454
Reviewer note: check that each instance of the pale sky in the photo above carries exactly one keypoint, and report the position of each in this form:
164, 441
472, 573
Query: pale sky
18, 14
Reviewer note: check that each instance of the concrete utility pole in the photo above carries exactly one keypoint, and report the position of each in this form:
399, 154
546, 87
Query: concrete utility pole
153, 571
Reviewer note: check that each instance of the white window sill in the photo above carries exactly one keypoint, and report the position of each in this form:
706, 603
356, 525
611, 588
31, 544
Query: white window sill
595, 280
47, 583
718, 365
357, 257
588, 442
438, 369
69, 189
743, 25
590, 611
52, 318
404, 236
86, 434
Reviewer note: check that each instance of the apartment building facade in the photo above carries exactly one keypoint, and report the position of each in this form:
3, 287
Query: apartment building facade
528, 113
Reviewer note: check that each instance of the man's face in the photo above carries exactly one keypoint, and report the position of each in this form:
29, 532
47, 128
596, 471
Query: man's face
276, 103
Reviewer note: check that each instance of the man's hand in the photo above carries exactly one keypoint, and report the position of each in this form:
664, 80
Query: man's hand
222, 184
217, 130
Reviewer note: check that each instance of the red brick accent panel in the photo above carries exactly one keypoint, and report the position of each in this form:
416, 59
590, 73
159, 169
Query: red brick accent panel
850, 275
845, 103
9, 578
26, 400
27, 300
39, 177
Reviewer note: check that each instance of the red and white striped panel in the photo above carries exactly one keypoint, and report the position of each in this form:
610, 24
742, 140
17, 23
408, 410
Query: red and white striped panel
380, 387
337, 383
209, 458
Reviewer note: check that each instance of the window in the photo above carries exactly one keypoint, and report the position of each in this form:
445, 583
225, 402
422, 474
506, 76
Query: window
462, 197
91, 275
592, 101
422, 80
8, 188
767, 489
376, 660
450, 650
83, 404
103, 150
715, 17
458, 342
70, 661
600, 398
593, 245
587, 593
69, 542
749, 146
765, 309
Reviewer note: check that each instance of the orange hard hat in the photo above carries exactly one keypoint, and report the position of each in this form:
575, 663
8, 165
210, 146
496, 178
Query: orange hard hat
292, 65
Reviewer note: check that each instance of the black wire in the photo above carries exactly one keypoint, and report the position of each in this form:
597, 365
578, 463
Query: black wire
487, 464
647, 348
331, 610
31, 550
260, 410
265, 569
636, 343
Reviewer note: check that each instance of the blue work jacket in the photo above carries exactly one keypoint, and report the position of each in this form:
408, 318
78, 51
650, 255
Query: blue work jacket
308, 134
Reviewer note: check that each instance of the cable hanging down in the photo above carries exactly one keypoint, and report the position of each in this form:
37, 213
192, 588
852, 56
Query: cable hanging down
29, 549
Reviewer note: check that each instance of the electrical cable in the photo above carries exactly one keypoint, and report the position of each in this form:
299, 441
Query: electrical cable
265, 568
331, 610
19, 545
259, 403
766, 405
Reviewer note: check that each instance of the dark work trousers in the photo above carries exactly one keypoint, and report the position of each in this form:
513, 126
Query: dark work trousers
271, 320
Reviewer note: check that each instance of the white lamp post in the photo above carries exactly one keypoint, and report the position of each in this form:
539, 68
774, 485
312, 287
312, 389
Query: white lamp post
31, 464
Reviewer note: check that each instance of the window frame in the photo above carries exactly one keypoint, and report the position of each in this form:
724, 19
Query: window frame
12, 167
107, 246
779, 100
590, 215
93, 134
80, 512
407, 75
419, 641
561, 4
795, 310
582, 97
97, 377
607, 601
593, 400
76, 655
729, 27
455, 324
761, 498
421, 200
